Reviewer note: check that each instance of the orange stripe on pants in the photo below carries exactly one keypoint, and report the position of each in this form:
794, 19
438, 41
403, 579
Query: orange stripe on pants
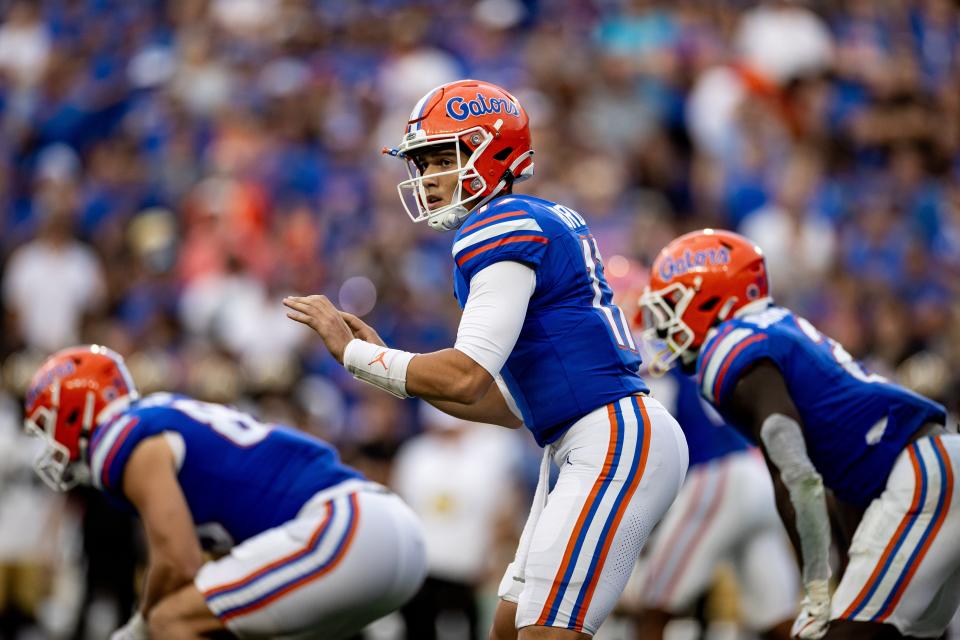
572, 542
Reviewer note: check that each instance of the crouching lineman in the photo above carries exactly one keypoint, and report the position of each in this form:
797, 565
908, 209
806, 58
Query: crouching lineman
320, 551
725, 513
822, 420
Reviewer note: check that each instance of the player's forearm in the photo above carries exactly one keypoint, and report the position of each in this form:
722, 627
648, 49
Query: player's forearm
163, 578
491, 409
448, 376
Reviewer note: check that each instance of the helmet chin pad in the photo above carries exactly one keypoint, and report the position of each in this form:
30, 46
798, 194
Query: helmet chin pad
449, 219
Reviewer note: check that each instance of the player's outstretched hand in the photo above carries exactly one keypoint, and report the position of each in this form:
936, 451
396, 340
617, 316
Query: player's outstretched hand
318, 313
361, 329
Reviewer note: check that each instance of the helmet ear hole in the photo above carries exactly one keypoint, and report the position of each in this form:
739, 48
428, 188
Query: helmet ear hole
709, 304
73, 417
503, 154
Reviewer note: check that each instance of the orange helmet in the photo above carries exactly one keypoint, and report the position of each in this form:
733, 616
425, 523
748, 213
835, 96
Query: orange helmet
479, 118
697, 281
72, 393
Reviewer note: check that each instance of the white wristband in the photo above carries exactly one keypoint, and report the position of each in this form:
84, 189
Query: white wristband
379, 366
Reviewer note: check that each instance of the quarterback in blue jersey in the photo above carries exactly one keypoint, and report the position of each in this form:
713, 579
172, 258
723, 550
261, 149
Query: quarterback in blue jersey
822, 421
308, 547
540, 344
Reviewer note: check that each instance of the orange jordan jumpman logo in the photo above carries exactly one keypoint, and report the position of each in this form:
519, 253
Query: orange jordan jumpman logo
379, 359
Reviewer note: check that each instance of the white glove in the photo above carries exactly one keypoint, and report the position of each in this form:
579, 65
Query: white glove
814, 618
135, 629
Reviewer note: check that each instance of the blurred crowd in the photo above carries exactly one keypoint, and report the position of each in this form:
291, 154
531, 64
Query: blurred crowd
170, 170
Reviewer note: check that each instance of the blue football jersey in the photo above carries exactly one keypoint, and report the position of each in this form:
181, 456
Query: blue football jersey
855, 423
236, 473
708, 436
575, 352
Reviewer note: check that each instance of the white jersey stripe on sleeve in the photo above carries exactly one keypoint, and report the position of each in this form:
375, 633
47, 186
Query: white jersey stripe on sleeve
727, 343
104, 446
494, 230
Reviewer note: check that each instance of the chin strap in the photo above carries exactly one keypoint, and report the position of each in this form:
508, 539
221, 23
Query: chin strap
449, 220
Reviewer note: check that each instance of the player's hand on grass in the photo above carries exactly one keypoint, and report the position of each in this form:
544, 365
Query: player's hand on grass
135, 629
361, 330
814, 618
318, 313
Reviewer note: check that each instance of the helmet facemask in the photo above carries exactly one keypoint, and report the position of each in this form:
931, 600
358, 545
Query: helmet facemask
413, 194
663, 323
54, 464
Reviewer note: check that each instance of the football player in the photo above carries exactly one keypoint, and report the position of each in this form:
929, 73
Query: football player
540, 344
725, 513
312, 549
822, 421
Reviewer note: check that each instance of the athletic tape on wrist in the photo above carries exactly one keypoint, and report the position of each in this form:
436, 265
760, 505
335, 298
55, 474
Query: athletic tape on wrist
377, 365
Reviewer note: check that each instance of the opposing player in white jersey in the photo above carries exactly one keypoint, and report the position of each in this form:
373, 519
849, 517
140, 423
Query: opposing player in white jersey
312, 549
822, 421
540, 344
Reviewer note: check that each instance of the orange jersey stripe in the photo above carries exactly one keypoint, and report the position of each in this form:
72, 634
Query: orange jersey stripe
730, 358
483, 223
611, 534
914, 508
498, 243
572, 542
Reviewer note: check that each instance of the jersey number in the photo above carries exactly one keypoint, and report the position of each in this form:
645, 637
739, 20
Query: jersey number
233, 425
841, 355
602, 299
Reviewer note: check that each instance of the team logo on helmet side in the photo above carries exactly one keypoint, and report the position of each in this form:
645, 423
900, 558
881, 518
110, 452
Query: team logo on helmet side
460, 109
61, 370
670, 267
